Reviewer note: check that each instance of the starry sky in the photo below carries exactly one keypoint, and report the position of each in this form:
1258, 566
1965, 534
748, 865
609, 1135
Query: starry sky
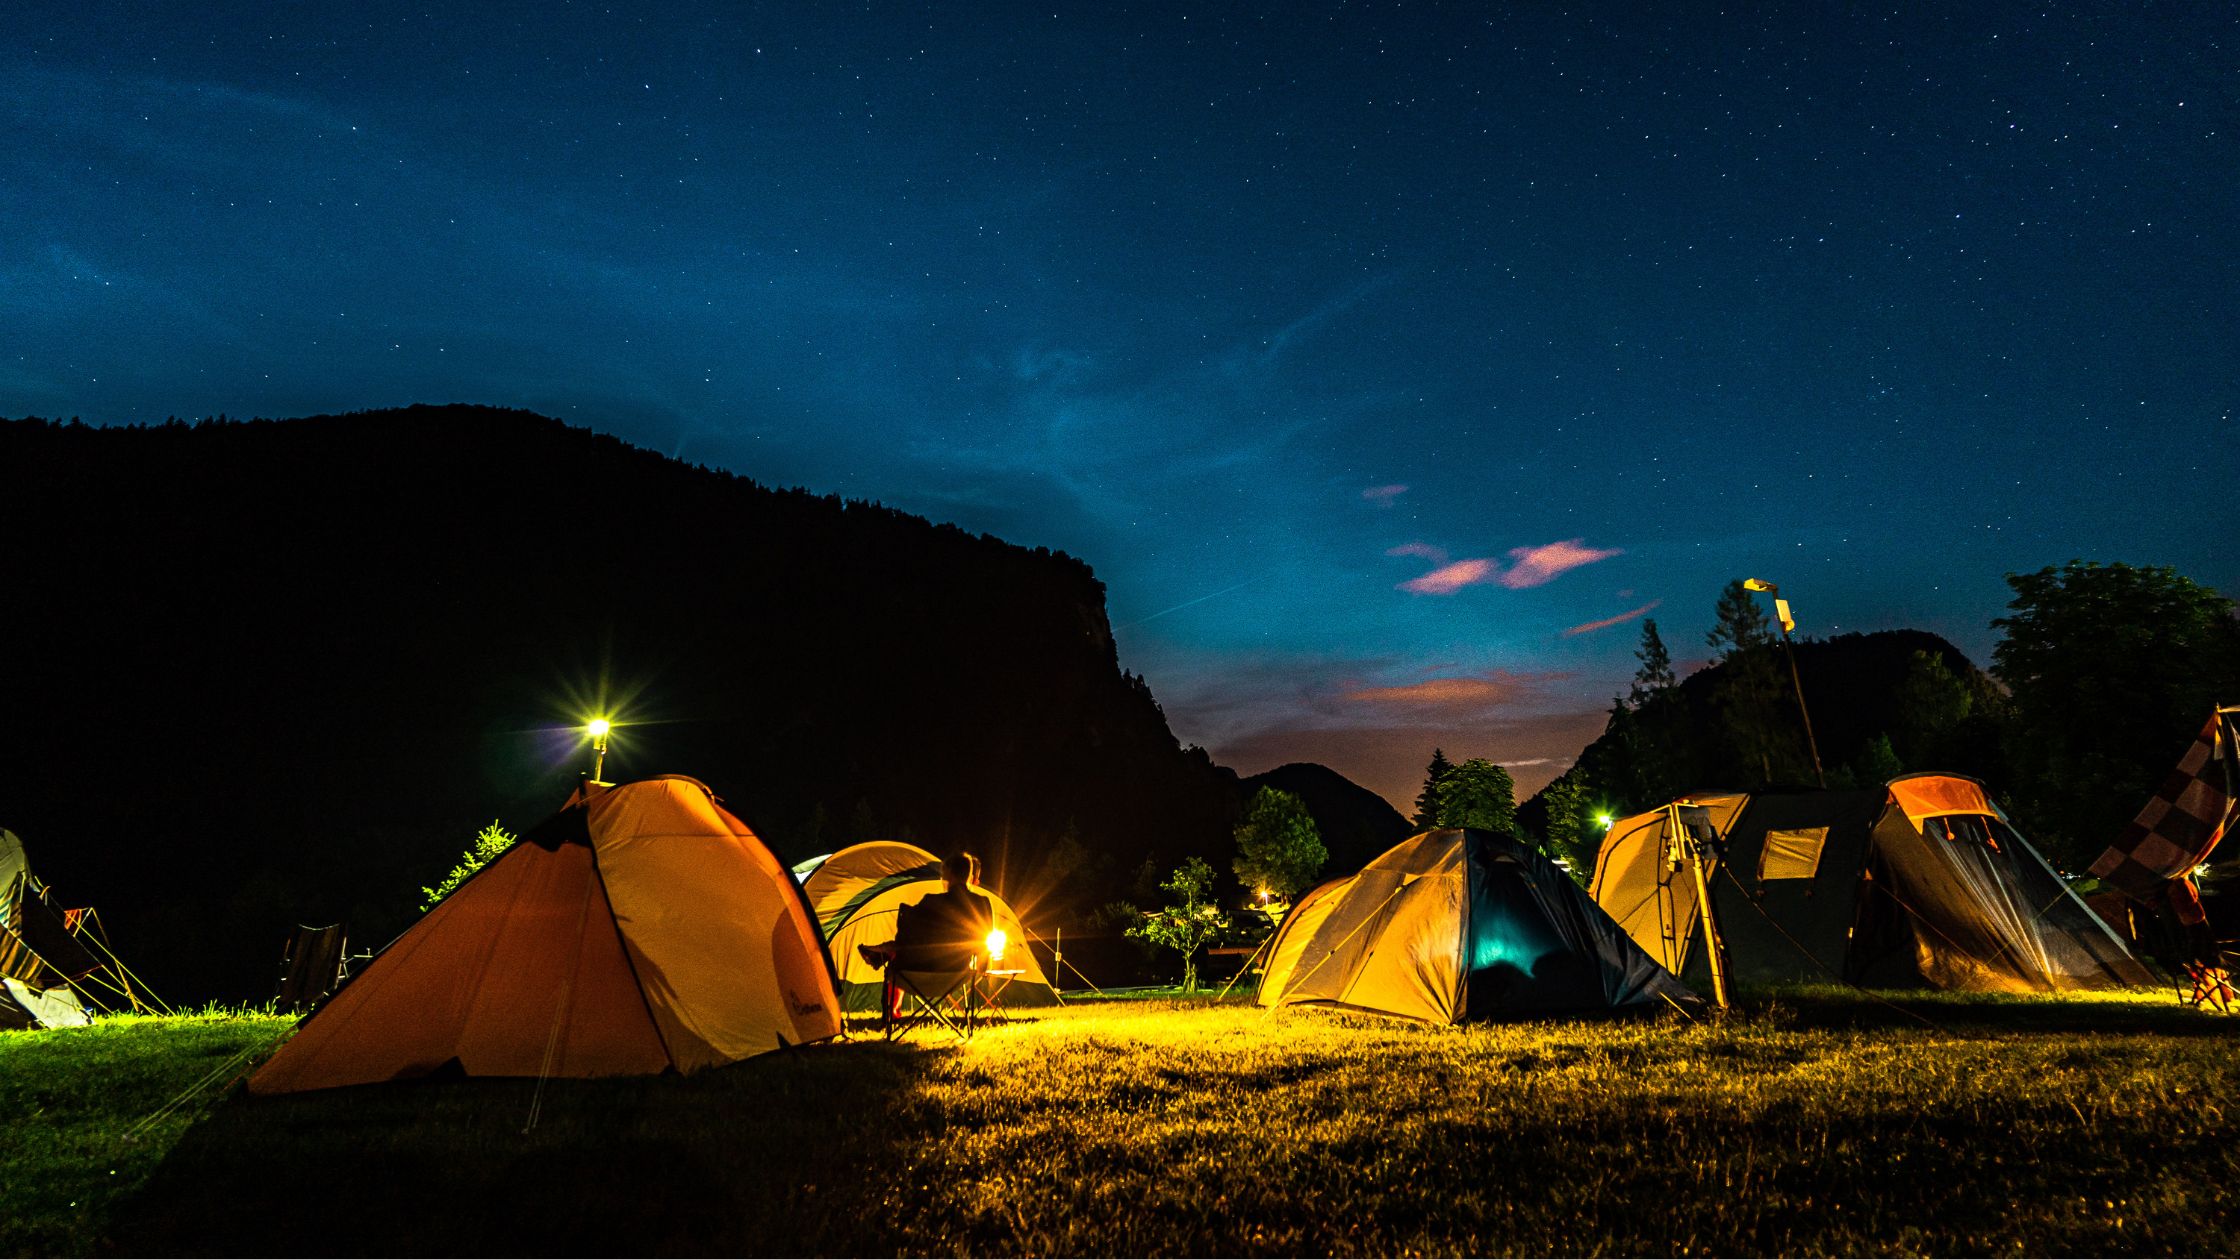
1389, 363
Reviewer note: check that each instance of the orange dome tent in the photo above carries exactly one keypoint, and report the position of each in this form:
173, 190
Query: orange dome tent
641, 928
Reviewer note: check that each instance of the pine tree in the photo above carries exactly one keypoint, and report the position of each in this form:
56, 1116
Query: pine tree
1749, 696
1739, 623
1655, 676
1427, 801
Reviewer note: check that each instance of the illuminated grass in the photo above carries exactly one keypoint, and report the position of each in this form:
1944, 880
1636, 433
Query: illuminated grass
1819, 1123
69, 1103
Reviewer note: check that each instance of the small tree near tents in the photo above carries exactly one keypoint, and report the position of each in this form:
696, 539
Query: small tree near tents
1189, 926
488, 845
1278, 848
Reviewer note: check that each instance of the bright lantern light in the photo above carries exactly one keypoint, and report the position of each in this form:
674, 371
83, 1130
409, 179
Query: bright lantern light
599, 728
1606, 821
996, 942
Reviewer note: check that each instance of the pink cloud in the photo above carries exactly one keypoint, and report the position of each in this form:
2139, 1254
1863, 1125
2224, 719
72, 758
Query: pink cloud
1441, 691
1607, 622
1383, 496
1423, 551
1538, 566
1449, 578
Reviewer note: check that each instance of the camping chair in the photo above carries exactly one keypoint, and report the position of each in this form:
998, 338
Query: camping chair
2210, 982
314, 965
933, 986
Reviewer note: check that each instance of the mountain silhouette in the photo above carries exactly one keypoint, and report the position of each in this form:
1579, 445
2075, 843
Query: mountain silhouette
272, 672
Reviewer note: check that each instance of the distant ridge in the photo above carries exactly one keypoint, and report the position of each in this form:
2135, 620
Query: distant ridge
1356, 824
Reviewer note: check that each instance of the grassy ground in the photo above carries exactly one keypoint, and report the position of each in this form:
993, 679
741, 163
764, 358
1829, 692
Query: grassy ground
79, 1122
1816, 1122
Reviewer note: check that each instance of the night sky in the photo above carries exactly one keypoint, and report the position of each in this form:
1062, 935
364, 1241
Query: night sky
1389, 363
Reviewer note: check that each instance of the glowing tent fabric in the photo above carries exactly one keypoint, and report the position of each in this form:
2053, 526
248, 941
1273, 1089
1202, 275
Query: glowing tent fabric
856, 895
1638, 888
640, 929
1452, 926
1919, 882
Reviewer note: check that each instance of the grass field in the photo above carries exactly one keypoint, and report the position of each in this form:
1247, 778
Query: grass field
1812, 1123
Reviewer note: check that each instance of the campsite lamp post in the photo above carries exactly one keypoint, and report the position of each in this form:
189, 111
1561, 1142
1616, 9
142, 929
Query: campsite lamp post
598, 729
1788, 623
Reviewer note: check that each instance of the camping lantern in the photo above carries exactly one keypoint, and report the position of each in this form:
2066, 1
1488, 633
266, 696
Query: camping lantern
598, 729
1788, 623
997, 939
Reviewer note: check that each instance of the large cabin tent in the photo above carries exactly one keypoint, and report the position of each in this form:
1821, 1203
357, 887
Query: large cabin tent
642, 928
856, 895
1922, 881
1459, 925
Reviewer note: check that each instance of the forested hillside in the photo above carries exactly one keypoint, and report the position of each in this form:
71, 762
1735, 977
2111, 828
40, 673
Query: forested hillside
271, 672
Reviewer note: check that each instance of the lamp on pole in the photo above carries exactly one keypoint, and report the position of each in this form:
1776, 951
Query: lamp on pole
598, 728
1788, 623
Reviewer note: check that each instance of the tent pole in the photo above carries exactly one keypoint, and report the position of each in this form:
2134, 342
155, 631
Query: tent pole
1247, 968
1692, 853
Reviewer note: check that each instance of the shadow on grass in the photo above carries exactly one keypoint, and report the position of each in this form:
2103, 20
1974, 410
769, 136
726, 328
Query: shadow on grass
762, 1157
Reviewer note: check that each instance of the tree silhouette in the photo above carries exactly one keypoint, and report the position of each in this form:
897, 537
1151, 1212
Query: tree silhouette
1427, 801
1655, 677
1278, 847
2112, 669
1478, 794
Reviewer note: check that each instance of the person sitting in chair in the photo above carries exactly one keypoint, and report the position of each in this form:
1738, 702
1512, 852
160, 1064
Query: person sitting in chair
941, 932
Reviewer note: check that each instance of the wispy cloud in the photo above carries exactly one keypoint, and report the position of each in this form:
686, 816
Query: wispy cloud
1420, 550
1607, 622
1449, 578
1538, 566
1477, 691
1446, 699
1529, 567
1383, 496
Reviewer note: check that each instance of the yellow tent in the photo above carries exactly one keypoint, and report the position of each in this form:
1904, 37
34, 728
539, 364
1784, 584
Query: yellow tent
641, 928
1459, 925
856, 895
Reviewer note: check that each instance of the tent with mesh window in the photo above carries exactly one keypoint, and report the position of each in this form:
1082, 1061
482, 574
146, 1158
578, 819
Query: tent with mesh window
1920, 882
1455, 926
857, 895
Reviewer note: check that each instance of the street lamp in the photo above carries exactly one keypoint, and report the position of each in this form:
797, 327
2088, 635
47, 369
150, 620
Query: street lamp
598, 729
1788, 623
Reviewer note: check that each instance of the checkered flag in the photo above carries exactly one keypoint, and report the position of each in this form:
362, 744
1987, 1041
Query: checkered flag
2179, 827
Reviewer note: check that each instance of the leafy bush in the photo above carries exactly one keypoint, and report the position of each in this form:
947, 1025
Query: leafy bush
488, 845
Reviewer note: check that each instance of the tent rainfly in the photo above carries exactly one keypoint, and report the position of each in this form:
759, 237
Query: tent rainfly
1458, 925
856, 895
642, 928
1920, 882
